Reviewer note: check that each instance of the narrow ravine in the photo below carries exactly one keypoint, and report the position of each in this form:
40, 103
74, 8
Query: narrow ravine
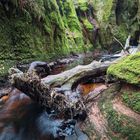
69, 70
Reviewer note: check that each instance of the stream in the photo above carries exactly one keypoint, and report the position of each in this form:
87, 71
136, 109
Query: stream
22, 119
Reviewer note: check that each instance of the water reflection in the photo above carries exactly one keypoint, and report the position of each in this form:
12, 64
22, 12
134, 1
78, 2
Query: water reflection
91, 87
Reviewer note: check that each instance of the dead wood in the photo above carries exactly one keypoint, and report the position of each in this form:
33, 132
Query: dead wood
55, 91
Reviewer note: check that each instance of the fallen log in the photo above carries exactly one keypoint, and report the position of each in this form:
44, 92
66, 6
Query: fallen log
43, 68
55, 91
66, 80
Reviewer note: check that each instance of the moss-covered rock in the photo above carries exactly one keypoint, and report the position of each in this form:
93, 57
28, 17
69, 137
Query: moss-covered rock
127, 69
38, 30
117, 18
74, 29
82, 4
85, 12
87, 24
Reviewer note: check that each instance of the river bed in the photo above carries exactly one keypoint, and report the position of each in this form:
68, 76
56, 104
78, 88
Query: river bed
22, 119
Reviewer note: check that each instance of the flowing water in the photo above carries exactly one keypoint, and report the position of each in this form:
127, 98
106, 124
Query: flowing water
22, 119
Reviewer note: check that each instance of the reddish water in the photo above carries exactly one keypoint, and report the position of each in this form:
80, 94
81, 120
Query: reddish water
92, 87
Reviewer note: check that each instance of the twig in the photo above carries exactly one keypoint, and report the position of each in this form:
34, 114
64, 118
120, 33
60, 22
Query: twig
121, 44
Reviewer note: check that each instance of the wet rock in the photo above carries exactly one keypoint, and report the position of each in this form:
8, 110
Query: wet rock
78, 135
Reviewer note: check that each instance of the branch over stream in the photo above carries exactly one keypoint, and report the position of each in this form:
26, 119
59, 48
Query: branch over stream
55, 91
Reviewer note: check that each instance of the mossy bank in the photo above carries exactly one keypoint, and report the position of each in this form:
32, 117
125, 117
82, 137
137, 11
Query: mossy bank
39, 30
127, 69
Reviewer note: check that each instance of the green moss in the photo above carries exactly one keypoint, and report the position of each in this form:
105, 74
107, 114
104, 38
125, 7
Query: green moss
104, 9
87, 24
4, 66
122, 125
82, 4
72, 19
38, 31
74, 29
23, 39
132, 100
121, 32
105, 14
127, 69
20, 40
116, 18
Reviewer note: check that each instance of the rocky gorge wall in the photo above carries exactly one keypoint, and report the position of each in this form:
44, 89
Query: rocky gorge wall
39, 30
43, 30
117, 18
